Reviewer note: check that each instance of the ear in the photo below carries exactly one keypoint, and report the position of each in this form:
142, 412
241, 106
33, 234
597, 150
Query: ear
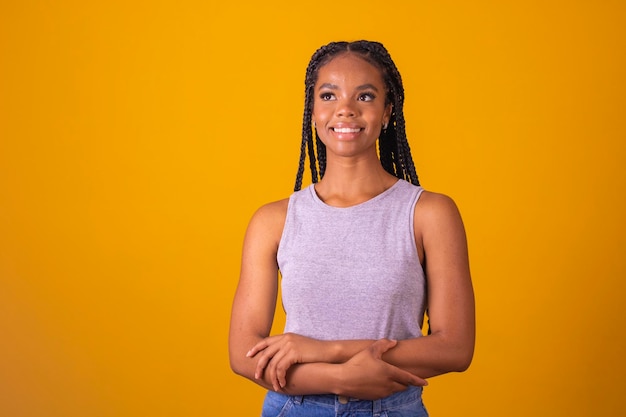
387, 113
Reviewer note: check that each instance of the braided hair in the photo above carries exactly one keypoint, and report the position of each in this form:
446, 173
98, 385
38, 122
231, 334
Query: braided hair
393, 146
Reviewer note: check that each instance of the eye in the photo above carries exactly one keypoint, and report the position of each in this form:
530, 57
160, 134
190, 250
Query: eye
326, 96
367, 97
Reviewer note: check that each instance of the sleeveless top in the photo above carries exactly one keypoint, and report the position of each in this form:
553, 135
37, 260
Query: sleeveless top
353, 272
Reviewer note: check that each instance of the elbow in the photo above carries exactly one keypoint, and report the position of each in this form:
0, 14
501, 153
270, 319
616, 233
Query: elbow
237, 363
237, 366
456, 353
242, 366
462, 365
462, 360
234, 367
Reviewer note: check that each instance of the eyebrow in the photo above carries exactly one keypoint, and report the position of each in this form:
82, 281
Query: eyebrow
360, 88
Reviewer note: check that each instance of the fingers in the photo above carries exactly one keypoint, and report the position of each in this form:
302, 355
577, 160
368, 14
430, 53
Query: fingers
277, 369
275, 354
274, 362
264, 358
267, 342
280, 371
258, 347
416, 381
268, 349
260, 366
419, 382
381, 346
406, 378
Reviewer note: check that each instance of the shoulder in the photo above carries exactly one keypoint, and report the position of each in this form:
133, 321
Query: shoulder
435, 211
273, 209
440, 234
268, 221
271, 213
432, 203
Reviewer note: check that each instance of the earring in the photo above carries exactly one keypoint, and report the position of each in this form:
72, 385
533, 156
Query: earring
385, 125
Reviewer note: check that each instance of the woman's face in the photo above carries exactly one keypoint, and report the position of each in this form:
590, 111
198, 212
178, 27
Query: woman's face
349, 107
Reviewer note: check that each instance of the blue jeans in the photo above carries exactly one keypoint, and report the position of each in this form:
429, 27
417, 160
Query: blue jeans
407, 403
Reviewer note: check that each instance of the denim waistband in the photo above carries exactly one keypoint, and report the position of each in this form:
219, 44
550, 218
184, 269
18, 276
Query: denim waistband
399, 399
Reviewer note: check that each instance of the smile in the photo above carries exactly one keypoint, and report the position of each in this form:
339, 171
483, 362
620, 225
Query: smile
346, 130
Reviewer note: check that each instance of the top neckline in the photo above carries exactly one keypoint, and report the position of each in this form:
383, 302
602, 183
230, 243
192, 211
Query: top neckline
377, 197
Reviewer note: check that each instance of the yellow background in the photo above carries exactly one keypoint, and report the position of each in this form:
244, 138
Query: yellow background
137, 138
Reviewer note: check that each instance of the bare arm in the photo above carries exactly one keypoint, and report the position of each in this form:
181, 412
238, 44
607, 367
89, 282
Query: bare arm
255, 299
440, 234
365, 375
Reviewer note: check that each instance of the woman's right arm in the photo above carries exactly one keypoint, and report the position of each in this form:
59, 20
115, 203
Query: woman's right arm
364, 376
255, 299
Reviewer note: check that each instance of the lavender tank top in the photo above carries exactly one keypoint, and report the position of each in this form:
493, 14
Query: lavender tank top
352, 273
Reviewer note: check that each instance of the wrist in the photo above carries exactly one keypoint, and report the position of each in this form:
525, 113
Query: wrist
344, 350
336, 376
335, 352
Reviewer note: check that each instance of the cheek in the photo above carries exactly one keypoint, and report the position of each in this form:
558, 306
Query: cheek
322, 111
317, 115
319, 121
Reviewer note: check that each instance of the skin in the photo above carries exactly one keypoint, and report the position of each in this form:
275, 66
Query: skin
350, 93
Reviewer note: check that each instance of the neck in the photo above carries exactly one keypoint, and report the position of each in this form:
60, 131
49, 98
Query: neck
350, 181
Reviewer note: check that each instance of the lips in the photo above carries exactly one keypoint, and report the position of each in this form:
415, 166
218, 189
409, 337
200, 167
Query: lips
346, 129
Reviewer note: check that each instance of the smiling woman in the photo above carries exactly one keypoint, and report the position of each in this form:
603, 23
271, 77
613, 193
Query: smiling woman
356, 251
395, 155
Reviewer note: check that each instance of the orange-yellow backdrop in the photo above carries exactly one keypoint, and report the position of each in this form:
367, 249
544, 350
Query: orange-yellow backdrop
137, 138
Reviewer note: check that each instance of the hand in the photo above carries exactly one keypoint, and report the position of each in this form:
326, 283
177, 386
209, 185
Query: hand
366, 376
277, 353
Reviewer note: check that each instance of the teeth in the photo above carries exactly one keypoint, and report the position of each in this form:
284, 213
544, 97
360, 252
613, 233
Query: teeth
346, 130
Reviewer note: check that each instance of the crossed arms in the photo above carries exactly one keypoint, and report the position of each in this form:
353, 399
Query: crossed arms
366, 369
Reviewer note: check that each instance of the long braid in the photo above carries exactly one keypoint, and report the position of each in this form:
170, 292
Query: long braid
386, 152
319, 58
302, 152
400, 152
321, 154
394, 150
406, 160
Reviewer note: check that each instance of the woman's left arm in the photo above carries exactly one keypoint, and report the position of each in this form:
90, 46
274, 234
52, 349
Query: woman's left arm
441, 241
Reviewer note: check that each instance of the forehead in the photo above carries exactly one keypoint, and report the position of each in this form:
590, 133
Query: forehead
350, 67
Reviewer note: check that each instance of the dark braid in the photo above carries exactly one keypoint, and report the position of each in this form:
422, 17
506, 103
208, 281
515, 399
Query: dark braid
321, 154
394, 150
307, 136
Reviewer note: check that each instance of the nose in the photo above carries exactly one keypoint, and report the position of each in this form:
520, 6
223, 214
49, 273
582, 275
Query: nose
346, 108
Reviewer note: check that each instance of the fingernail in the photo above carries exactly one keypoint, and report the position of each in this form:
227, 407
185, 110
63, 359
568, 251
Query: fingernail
249, 353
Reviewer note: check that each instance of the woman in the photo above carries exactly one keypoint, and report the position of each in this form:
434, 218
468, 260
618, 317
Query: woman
357, 251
